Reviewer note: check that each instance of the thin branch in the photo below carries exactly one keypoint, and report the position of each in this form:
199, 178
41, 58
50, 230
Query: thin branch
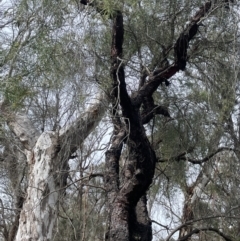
198, 230
93, 175
164, 226
5, 24
195, 221
207, 158
180, 49
182, 156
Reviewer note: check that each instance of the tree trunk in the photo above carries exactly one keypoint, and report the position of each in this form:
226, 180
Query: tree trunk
126, 199
16, 165
140, 223
39, 211
47, 157
195, 191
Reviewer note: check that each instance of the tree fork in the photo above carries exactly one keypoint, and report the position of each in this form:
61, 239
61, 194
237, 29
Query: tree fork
180, 51
140, 164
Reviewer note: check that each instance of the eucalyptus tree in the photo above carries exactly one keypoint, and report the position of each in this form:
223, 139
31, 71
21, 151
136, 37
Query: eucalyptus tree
42, 95
126, 196
149, 58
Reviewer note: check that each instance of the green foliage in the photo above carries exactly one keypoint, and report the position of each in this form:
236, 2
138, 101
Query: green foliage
56, 49
15, 92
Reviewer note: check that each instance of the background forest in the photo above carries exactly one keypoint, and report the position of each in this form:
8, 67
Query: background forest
119, 120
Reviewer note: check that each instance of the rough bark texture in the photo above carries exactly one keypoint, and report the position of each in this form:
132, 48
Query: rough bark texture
140, 223
141, 161
47, 154
128, 213
112, 170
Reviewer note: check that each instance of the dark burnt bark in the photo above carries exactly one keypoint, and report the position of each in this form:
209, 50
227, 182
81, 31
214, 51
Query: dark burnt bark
141, 161
140, 223
126, 196
129, 219
150, 110
180, 49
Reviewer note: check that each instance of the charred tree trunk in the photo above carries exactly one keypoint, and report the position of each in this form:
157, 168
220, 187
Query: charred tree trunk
128, 216
140, 165
140, 223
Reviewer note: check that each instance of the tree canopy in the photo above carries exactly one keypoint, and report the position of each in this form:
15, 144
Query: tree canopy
119, 120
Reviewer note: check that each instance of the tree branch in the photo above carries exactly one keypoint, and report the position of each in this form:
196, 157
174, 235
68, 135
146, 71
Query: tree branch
182, 156
180, 51
117, 67
161, 225
198, 230
150, 110
74, 134
190, 222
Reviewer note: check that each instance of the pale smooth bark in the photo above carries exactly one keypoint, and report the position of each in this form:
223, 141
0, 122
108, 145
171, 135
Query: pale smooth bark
78, 131
47, 157
40, 207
